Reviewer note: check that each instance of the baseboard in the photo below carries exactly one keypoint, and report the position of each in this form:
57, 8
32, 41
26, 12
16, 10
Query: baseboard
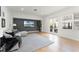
69, 38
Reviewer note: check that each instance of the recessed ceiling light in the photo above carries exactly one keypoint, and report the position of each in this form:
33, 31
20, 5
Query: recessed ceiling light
22, 9
35, 9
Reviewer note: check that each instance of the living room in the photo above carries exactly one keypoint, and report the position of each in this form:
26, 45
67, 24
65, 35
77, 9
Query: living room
54, 23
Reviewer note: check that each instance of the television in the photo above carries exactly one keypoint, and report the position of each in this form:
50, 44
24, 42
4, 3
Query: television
29, 24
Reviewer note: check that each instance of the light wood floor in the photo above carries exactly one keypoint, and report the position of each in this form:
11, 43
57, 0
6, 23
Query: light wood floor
60, 45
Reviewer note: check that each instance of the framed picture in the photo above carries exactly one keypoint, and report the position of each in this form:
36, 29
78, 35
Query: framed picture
3, 22
67, 25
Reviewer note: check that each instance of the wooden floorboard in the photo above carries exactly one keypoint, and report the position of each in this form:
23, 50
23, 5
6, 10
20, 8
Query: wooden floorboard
60, 45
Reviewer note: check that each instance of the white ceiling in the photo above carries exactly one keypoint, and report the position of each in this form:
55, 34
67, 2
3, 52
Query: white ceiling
42, 10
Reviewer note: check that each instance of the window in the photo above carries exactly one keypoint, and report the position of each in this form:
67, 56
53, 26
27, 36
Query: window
29, 24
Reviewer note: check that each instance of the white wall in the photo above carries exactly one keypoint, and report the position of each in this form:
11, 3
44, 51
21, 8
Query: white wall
26, 16
46, 25
72, 34
7, 18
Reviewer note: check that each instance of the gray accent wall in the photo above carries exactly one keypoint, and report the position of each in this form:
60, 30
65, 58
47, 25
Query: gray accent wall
20, 24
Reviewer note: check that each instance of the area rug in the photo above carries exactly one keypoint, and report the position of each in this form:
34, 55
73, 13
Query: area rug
32, 42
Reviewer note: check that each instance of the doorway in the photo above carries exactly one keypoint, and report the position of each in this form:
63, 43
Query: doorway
54, 26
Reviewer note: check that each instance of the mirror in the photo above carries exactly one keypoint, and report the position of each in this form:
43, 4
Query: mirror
3, 22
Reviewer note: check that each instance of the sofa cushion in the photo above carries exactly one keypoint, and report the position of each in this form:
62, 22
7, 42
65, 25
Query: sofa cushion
7, 35
22, 33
